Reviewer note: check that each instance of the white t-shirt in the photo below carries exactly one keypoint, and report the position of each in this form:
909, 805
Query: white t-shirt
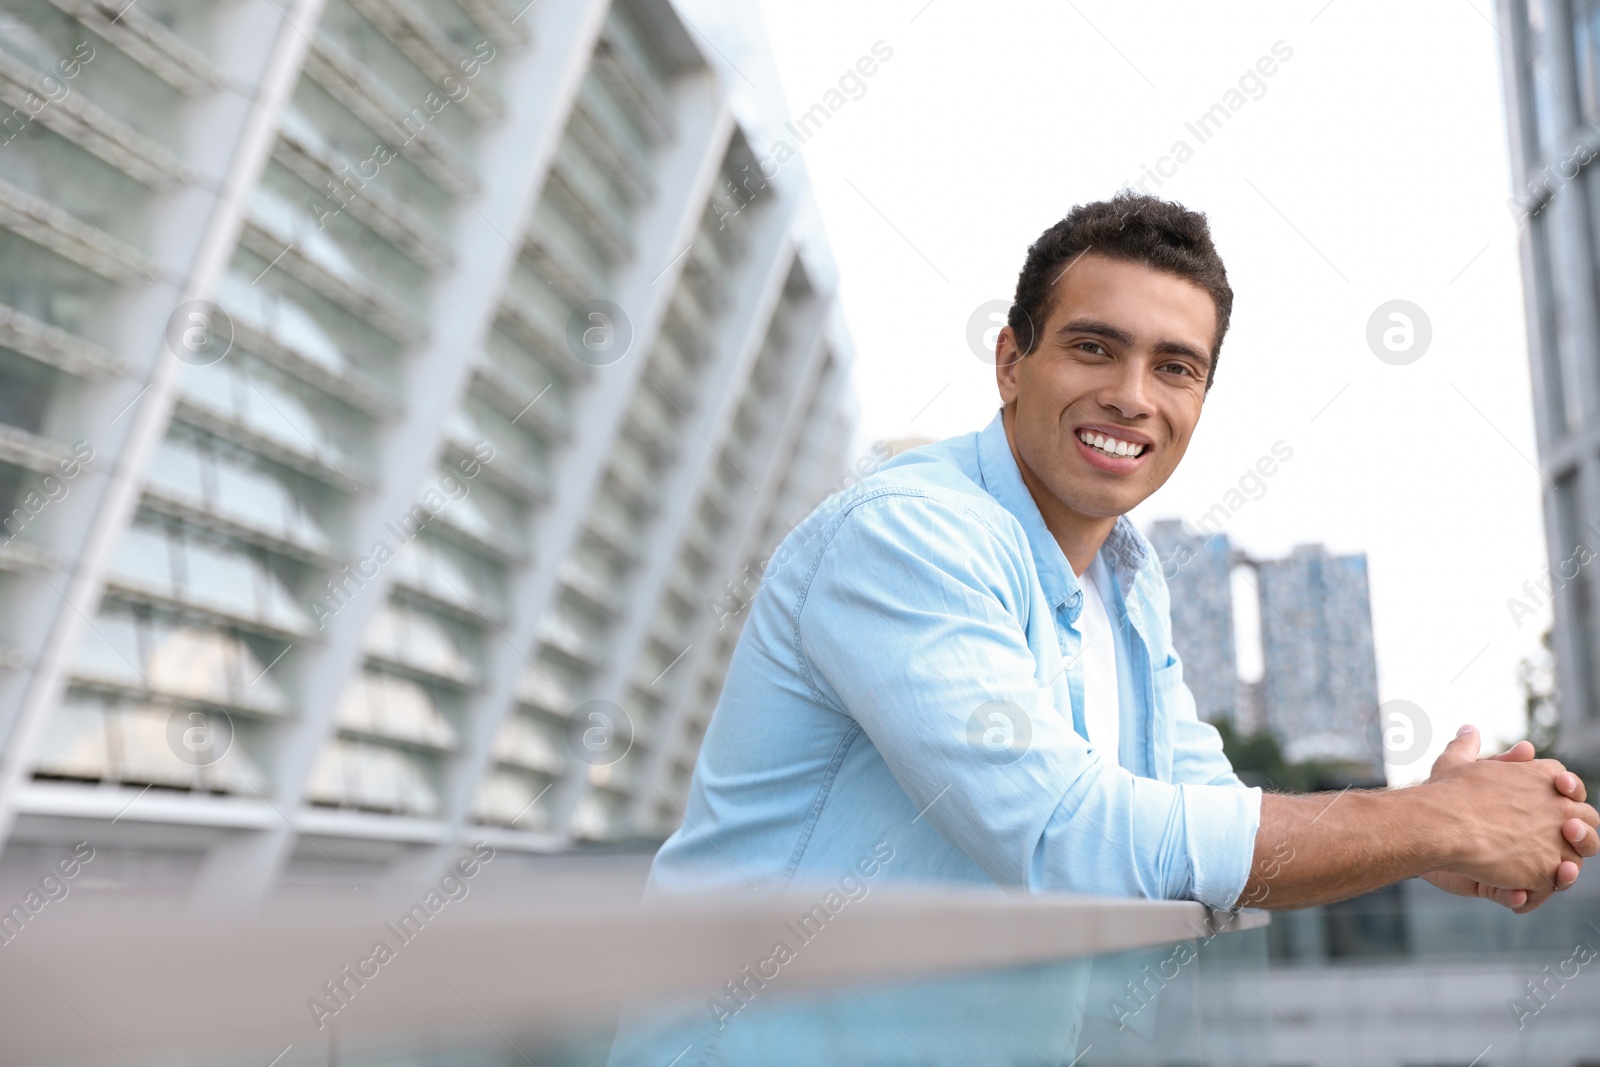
1097, 653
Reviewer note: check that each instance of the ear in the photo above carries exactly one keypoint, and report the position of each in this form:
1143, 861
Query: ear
1007, 361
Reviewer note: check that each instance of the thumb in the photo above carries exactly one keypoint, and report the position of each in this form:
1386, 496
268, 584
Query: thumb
1464, 749
1521, 752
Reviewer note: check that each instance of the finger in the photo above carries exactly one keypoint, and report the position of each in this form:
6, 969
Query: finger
1532, 903
1587, 813
1566, 874
1510, 898
1521, 752
1581, 837
1570, 785
1463, 749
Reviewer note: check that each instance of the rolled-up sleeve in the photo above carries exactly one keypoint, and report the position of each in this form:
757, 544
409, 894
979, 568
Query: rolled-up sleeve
913, 624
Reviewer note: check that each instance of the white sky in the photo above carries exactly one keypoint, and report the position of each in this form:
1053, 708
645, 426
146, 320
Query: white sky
1373, 168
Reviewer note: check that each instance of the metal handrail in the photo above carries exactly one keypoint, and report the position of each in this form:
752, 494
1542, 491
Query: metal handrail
521, 952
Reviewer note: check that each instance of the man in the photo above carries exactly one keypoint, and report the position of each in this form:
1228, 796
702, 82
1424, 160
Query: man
961, 670
967, 655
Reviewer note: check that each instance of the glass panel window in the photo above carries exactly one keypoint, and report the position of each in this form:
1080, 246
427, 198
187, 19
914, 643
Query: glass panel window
327, 784
259, 688
599, 816
514, 799
355, 706
109, 651
141, 751
279, 606
75, 745
215, 387
24, 392
281, 318
251, 499
383, 637
176, 472
383, 704
385, 779
234, 772
274, 412
143, 560
406, 710
271, 211
417, 640
377, 777
523, 741
429, 645
186, 661
220, 579
541, 688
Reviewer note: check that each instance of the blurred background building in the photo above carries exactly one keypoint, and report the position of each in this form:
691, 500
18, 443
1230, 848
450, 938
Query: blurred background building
1551, 61
1199, 573
1318, 692
396, 397
1319, 685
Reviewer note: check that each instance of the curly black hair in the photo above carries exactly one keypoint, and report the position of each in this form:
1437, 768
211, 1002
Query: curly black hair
1133, 227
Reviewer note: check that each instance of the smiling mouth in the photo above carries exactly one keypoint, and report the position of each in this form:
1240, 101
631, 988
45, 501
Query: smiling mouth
1111, 446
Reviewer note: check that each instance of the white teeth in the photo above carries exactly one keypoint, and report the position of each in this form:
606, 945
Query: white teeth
1110, 445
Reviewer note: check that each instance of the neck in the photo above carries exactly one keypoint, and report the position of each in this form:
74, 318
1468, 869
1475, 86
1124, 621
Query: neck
1080, 536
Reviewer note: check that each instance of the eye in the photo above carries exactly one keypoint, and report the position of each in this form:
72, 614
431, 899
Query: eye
1181, 368
1097, 348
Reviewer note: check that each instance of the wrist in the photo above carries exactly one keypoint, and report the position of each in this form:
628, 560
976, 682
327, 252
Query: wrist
1432, 824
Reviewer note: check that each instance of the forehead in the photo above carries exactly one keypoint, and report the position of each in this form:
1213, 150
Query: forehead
1149, 303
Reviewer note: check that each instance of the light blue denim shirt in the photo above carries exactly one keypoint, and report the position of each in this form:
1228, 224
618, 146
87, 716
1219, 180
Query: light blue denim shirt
905, 685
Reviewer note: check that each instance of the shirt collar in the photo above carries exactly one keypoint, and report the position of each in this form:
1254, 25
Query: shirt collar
1124, 549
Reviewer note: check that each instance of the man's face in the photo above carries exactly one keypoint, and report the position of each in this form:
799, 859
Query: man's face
1123, 355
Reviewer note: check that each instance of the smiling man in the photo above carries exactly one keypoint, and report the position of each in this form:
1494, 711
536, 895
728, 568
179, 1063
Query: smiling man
964, 672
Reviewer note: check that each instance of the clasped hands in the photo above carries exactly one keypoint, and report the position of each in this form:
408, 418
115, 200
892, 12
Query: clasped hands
1523, 827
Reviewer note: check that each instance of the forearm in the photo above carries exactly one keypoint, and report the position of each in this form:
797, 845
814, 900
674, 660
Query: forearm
1323, 847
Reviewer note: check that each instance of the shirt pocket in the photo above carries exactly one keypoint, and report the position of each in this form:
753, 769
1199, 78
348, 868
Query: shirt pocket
1169, 696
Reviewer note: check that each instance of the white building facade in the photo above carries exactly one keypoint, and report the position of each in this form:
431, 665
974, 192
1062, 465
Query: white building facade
390, 391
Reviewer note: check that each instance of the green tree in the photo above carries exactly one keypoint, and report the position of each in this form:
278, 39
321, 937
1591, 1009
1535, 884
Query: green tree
1258, 760
1540, 702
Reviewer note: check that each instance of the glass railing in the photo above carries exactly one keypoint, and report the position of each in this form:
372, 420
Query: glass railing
509, 960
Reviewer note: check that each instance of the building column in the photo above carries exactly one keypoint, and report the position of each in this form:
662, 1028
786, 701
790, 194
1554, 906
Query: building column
689, 172
513, 161
195, 226
795, 395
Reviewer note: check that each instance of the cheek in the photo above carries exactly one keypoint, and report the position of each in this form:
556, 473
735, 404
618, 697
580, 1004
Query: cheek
1182, 420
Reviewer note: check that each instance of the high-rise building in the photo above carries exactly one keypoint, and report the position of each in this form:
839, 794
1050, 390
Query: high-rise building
1319, 686
1550, 55
1198, 570
391, 391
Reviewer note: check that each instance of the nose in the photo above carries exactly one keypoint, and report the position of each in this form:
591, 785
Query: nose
1128, 390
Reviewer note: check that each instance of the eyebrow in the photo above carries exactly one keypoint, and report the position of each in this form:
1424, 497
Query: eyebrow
1100, 328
